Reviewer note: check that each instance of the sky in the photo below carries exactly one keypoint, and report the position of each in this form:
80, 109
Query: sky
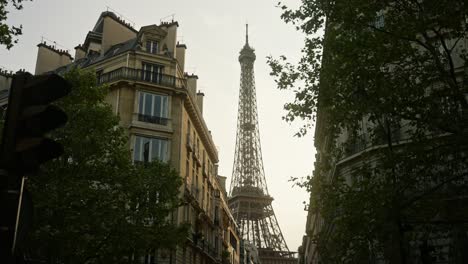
214, 32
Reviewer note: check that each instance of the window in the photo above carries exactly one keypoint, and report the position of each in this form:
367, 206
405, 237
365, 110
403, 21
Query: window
150, 257
153, 108
233, 241
152, 72
152, 46
147, 149
216, 215
99, 76
380, 20
187, 213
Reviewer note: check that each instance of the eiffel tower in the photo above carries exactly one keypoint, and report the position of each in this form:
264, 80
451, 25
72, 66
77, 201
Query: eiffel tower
249, 199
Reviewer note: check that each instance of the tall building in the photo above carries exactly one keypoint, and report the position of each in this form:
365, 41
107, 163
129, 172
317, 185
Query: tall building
159, 105
249, 199
5, 82
430, 174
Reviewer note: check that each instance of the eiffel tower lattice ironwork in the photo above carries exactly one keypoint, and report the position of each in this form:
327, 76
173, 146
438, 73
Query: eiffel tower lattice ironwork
249, 199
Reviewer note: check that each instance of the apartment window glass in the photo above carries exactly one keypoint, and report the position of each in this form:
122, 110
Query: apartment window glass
233, 241
150, 257
380, 20
152, 46
187, 171
186, 213
216, 214
99, 76
153, 108
147, 149
152, 72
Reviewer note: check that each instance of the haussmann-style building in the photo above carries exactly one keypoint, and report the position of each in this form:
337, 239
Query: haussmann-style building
159, 105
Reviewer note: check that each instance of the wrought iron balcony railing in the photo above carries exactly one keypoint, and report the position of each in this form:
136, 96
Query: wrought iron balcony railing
363, 142
189, 142
125, 73
153, 119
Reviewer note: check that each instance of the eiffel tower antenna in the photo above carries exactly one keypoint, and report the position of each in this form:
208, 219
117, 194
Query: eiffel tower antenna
249, 199
247, 34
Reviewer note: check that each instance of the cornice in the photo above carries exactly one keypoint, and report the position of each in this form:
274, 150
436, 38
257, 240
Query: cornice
194, 112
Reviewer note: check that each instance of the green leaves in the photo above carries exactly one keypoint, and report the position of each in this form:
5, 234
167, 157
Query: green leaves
7, 32
386, 79
92, 205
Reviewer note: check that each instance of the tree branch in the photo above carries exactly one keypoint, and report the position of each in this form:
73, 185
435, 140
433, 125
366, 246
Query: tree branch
433, 189
453, 76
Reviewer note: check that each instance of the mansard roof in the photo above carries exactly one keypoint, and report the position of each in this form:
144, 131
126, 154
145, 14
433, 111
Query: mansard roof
98, 27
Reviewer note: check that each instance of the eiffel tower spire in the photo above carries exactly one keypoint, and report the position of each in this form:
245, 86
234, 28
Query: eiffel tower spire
249, 199
246, 34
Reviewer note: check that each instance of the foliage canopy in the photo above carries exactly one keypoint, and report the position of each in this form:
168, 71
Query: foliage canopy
92, 205
9, 32
387, 80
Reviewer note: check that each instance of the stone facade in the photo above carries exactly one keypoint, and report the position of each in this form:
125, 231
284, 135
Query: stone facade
159, 105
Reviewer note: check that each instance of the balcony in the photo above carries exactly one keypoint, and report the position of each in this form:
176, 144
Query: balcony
205, 170
196, 154
189, 143
186, 185
130, 74
368, 141
195, 193
195, 150
354, 146
210, 251
153, 119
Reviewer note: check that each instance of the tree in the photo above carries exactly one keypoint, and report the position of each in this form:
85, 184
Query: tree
92, 205
8, 32
391, 74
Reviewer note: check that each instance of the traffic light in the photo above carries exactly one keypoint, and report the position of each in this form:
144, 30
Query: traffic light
25, 146
29, 117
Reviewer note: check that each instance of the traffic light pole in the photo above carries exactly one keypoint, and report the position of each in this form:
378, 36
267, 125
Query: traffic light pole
30, 115
18, 214
9, 183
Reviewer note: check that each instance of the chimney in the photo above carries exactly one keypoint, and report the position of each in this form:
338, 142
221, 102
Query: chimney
80, 52
180, 55
171, 37
50, 58
222, 183
192, 84
200, 96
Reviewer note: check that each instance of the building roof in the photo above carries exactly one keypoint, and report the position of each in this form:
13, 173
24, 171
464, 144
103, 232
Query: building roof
98, 27
54, 49
95, 57
168, 24
6, 73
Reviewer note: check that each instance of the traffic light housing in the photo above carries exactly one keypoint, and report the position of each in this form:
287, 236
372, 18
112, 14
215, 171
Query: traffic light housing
29, 117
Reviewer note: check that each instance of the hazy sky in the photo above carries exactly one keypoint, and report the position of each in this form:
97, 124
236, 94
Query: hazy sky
213, 31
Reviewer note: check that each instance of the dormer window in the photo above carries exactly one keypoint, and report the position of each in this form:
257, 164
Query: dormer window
152, 46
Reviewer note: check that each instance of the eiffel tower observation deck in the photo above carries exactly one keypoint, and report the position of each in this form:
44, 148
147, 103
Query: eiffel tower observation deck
249, 199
